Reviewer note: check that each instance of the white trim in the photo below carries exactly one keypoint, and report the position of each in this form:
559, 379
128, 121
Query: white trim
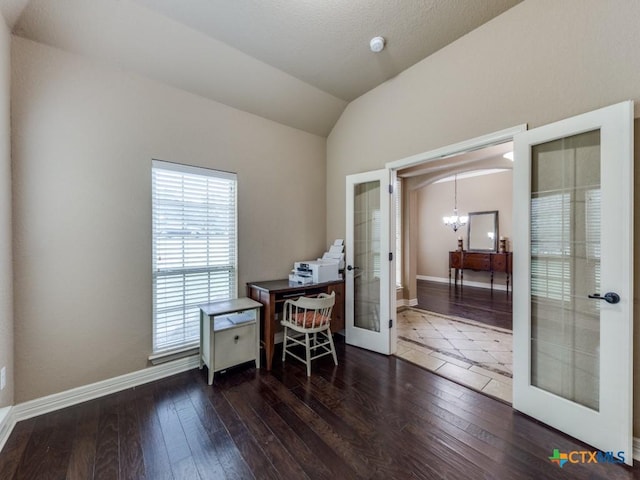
483, 141
193, 170
7, 423
496, 286
56, 401
402, 302
472, 174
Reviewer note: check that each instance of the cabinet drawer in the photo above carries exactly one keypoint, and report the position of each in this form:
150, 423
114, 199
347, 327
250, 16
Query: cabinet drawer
234, 346
481, 262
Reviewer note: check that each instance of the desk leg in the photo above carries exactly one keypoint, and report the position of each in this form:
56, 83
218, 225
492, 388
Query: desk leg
211, 354
256, 314
201, 351
269, 330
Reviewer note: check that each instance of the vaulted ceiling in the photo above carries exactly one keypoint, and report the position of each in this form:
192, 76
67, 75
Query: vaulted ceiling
298, 62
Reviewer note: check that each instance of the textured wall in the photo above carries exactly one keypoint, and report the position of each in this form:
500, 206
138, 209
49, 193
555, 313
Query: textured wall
83, 139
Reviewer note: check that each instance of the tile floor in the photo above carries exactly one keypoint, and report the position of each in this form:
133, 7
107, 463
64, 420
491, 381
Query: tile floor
465, 351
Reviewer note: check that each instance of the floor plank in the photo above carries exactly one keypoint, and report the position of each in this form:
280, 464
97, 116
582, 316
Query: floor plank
13, 451
83, 450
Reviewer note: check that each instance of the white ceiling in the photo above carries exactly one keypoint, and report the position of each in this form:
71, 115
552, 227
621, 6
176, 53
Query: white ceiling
298, 62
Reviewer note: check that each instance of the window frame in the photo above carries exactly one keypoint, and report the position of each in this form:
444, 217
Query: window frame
202, 261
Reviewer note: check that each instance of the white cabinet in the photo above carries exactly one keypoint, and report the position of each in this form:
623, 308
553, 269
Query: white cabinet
229, 334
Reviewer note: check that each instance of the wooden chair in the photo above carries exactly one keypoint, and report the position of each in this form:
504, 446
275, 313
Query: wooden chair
307, 323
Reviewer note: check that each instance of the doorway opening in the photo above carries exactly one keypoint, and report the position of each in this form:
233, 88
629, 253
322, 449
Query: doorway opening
459, 329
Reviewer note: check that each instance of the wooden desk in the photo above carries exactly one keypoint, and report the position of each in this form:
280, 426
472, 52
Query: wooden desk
273, 293
480, 262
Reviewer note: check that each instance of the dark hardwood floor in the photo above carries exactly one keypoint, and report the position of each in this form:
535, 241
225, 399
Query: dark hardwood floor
479, 304
371, 417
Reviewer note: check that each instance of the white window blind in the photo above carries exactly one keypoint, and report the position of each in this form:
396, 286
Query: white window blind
194, 248
375, 242
551, 246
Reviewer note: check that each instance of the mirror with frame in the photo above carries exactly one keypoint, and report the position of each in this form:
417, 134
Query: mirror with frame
482, 231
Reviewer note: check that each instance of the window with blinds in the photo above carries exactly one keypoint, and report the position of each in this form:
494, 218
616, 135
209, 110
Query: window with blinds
194, 229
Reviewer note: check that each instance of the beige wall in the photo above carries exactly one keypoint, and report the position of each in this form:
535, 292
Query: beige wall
539, 62
6, 275
476, 194
84, 136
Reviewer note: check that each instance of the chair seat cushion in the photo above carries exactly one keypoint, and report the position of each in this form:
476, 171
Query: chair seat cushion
306, 319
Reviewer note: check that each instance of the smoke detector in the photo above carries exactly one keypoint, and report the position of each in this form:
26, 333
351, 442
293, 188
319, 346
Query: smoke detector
376, 44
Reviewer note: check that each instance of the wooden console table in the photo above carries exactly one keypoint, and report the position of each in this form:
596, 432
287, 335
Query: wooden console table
273, 293
480, 262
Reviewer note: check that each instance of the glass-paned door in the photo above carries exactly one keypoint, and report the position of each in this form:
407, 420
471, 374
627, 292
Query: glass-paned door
368, 270
573, 316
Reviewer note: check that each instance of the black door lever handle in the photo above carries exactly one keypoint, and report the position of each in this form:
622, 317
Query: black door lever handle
609, 297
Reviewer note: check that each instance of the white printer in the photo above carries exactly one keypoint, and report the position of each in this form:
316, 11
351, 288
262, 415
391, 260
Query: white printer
314, 271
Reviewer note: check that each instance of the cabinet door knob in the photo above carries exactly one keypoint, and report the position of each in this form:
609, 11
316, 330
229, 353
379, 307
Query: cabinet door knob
236, 338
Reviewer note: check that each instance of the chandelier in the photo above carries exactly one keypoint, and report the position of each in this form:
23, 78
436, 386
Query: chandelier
455, 221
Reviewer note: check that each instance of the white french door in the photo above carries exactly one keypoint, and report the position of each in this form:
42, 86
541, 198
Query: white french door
573, 274
369, 304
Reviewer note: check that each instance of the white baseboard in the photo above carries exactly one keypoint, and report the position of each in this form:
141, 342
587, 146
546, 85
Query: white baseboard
39, 406
56, 401
403, 302
496, 286
6, 425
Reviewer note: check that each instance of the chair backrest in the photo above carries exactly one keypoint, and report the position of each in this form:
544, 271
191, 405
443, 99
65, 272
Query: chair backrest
310, 312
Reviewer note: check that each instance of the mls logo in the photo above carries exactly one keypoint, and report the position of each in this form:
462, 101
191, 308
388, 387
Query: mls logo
585, 456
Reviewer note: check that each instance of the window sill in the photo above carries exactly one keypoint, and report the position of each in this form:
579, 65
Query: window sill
175, 354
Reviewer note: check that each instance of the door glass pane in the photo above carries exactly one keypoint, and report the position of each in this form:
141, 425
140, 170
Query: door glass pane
366, 256
565, 267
